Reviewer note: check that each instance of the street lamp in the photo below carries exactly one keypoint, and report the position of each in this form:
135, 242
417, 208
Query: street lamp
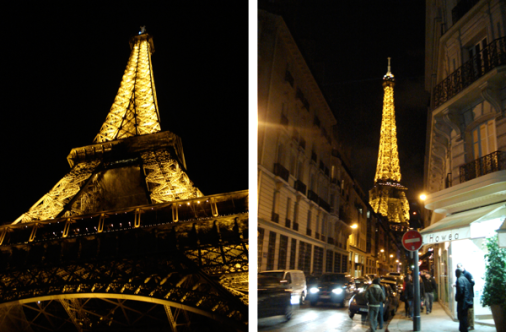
354, 226
382, 250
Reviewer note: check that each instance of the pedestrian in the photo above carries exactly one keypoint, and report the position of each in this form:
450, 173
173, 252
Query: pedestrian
422, 293
470, 278
380, 313
464, 299
408, 291
430, 288
375, 297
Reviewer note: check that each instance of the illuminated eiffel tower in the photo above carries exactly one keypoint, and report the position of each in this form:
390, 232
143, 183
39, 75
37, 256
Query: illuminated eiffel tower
125, 241
387, 197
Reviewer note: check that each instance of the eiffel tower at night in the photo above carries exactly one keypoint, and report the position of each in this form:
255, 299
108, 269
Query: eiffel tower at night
125, 241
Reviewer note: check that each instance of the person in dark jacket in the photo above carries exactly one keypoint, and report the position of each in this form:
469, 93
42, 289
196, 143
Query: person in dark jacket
464, 299
430, 288
380, 313
470, 312
422, 292
408, 291
375, 297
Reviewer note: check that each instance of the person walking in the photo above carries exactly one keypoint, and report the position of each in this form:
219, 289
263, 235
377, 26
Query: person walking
422, 293
380, 313
470, 278
375, 297
408, 291
464, 299
430, 288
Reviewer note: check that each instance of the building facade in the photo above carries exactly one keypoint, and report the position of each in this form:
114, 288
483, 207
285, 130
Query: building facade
465, 173
307, 197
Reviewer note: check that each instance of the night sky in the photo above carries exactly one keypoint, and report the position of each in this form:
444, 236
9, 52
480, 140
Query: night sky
346, 47
62, 67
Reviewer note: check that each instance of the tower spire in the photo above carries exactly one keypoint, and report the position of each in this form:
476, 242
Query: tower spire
387, 196
135, 108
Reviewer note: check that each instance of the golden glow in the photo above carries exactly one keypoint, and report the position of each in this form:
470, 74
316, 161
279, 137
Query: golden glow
354, 226
391, 256
382, 250
165, 178
134, 111
52, 203
387, 196
397, 261
423, 197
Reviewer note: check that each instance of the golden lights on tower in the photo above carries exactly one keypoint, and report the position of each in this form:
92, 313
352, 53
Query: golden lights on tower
387, 196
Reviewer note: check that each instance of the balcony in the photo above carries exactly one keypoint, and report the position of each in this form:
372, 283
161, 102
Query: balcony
496, 161
330, 240
300, 186
312, 196
288, 223
302, 144
280, 171
308, 232
323, 204
462, 8
313, 156
317, 235
275, 217
492, 56
295, 226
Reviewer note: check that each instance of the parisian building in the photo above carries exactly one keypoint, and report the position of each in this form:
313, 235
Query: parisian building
312, 214
465, 170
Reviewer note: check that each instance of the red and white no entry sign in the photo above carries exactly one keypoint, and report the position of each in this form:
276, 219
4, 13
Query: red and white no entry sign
412, 240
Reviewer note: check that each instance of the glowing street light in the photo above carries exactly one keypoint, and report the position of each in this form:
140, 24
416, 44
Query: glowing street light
423, 197
382, 250
354, 226
391, 256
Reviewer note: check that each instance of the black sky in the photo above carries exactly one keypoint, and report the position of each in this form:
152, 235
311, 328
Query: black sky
62, 66
346, 45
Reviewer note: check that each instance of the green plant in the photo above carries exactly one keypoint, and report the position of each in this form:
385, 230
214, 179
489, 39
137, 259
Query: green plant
494, 291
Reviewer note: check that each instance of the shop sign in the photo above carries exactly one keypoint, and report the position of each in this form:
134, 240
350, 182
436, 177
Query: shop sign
447, 235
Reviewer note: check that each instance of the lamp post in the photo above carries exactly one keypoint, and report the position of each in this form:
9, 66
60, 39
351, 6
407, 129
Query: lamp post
423, 197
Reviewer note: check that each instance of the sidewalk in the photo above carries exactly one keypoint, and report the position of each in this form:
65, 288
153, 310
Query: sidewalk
437, 320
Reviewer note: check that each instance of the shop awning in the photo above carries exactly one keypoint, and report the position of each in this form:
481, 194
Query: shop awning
458, 225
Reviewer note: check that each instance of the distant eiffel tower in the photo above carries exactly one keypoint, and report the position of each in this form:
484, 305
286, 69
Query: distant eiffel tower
125, 241
387, 197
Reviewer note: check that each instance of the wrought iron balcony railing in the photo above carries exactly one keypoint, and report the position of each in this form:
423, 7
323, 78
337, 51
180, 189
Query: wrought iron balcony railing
300, 186
496, 161
312, 196
280, 171
288, 223
490, 57
324, 204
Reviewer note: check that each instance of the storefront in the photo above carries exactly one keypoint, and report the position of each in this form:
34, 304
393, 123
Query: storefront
460, 238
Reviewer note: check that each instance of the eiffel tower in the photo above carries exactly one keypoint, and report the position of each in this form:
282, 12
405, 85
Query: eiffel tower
125, 241
387, 197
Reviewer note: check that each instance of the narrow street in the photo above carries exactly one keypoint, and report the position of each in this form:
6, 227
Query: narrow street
321, 318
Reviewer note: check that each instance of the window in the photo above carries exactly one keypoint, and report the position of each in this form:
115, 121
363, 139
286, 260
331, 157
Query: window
337, 263
281, 154
484, 139
478, 56
328, 261
293, 250
305, 257
270, 251
318, 260
260, 246
283, 251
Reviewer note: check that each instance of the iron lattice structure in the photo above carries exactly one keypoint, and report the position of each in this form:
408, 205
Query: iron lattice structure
387, 197
125, 241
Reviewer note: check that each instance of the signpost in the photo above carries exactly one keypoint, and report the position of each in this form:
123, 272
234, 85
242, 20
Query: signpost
412, 241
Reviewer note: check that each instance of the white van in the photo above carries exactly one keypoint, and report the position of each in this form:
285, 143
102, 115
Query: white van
295, 281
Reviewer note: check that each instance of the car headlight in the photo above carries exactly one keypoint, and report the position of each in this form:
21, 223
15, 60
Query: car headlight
313, 290
361, 290
337, 291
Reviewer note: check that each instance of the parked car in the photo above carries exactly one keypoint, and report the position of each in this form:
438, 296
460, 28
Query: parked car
295, 283
358, 302
395, 282
360, 281
331, 288
396, 274
272, 298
